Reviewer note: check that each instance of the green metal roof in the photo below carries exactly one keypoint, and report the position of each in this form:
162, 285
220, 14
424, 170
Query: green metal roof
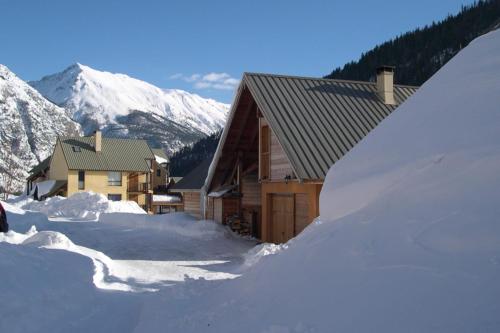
317, 121
40, 167
115, 155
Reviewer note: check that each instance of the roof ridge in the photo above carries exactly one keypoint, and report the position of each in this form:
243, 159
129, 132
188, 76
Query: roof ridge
321, 79
63, 137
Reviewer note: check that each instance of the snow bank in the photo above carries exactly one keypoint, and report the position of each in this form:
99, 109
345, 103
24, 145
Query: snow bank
13, 237
82, 206
263, 250
409, 238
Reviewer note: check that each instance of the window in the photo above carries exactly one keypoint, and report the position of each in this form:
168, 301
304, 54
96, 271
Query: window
81, 180
114, 178
264, 152
115, 197
158, 172
76, 149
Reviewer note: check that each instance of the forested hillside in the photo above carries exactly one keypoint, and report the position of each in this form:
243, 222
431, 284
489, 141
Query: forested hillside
189, 157
418, 54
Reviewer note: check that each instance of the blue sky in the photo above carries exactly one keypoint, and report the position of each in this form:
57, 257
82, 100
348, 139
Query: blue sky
202, 46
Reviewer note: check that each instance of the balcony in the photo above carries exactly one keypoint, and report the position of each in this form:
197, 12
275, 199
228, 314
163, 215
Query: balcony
138, 187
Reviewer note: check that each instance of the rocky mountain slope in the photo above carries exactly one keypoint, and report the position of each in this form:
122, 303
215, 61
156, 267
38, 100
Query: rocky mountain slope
29, 125
126, 107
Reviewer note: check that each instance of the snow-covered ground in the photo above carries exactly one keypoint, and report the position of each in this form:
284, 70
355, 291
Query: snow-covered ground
408, 240
63, 273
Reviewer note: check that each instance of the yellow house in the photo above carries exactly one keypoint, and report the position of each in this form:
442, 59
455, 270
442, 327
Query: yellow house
121, 169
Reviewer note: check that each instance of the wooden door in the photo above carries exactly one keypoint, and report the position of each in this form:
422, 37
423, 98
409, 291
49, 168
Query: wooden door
282, 217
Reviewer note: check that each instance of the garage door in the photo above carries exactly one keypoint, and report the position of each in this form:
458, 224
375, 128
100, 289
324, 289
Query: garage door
282, 217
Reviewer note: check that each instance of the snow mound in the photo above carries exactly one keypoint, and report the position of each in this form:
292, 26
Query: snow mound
49, 239
13, 207
13, 237
263, 250
409, 238
82, 206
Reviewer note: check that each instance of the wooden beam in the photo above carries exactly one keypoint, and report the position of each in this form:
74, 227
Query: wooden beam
244, 122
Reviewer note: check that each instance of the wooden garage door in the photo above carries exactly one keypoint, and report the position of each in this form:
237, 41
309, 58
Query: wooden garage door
282, 217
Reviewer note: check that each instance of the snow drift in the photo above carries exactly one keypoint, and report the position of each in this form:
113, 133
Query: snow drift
81, 206
409, 234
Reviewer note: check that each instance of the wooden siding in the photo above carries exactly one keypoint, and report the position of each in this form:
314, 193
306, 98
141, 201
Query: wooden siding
224, 207
302, 192
192, 203
218, 210
301, 212
282, 213
280, 166
210, 209
250, 189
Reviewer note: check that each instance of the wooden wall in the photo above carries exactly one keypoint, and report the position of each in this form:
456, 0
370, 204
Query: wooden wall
280, 166
209, 212
250, 189
306, 205
192, 203
224, 207
301, 212
218, 210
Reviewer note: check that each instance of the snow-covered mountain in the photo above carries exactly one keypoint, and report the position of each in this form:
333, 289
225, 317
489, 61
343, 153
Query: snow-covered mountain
124, 106
29, 125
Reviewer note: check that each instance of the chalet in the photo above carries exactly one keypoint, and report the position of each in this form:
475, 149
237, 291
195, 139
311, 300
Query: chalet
121, 169
37, 174
190, 187
282, 136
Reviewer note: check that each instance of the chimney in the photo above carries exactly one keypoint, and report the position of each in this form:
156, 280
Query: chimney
98, 141
385, 84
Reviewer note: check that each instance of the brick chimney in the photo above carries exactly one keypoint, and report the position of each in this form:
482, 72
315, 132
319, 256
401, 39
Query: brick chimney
385, 84
98, 141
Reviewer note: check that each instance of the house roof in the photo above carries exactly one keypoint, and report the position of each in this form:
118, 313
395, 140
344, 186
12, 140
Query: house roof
317, 121
40, 167
160, 155
116, 154
195, 179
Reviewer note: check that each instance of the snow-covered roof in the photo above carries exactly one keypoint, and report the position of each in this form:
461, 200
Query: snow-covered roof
160, 156
166, 198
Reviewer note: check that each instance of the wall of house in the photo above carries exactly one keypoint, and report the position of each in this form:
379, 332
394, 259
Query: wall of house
209, 211
280, 167
161, 179
191, 202
58, 166
306, 205
97, 181
251, 201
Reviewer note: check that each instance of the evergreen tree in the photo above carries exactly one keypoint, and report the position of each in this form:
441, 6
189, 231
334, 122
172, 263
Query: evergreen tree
418, 54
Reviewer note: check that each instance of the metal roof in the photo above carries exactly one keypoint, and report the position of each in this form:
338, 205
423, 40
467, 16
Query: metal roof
317, 121
195, 179
115, 155
40, 167
160, 153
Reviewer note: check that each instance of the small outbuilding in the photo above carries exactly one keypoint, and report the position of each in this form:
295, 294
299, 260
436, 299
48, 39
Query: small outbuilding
190, 187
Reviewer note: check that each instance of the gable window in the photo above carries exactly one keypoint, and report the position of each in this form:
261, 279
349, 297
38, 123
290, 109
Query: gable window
81, 180
114, 178
115, 197
76, 149
264, 152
